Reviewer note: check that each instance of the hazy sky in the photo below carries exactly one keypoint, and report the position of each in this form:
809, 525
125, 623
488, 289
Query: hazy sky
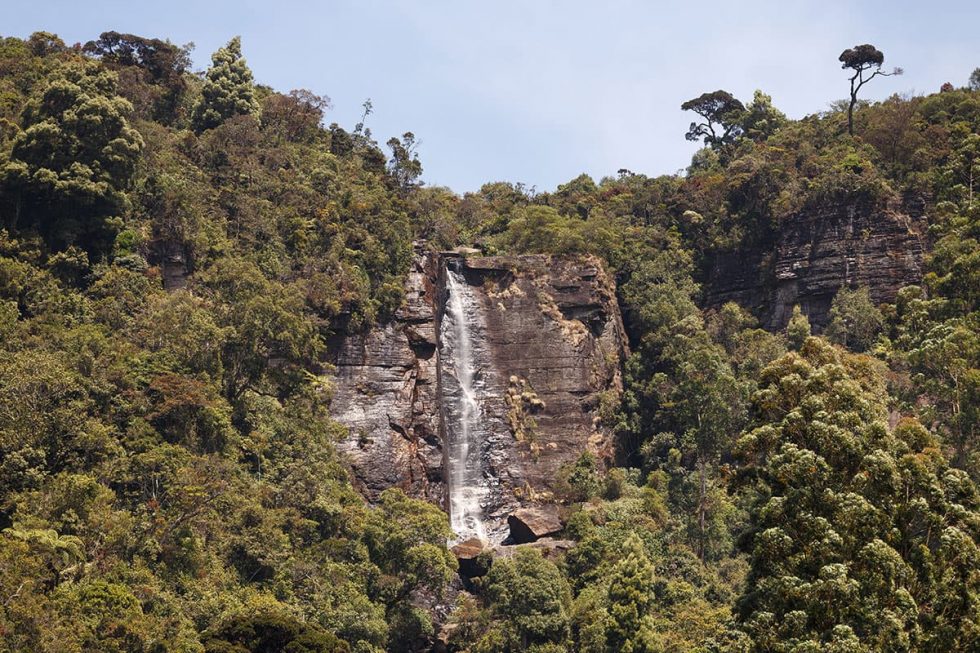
541, 91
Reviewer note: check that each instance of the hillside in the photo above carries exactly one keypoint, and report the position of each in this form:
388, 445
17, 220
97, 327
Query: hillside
229, 391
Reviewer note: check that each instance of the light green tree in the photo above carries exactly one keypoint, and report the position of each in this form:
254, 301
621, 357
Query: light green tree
855, 321
798, 329
762, 119
228, 89
630, 598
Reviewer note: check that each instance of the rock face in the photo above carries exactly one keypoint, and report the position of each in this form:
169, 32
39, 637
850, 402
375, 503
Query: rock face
550, 347
818, 251
549, 548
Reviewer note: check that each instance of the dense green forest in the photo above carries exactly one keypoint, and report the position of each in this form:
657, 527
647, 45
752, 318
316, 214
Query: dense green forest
177, 250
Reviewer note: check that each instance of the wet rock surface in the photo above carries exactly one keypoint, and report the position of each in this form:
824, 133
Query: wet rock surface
819, 250
555, 344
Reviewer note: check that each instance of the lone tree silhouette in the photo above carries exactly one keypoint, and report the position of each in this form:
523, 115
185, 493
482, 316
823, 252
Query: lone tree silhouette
861, 59
720, 109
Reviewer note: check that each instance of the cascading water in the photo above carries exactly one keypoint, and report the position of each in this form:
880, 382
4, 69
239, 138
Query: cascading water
464, 425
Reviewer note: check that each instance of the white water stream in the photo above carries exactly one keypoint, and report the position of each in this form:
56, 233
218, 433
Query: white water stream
464, 423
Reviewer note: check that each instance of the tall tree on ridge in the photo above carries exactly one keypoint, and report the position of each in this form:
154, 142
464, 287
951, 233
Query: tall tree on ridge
228, 90
862, 59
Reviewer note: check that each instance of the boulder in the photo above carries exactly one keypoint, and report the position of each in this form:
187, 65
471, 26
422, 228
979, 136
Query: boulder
530, 524
471, 564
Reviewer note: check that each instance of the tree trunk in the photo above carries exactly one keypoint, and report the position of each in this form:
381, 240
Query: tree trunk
701, 509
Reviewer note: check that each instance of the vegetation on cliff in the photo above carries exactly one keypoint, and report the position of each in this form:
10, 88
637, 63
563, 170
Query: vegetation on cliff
176, 252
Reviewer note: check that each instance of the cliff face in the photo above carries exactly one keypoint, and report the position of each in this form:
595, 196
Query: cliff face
817, 251
386, 394
550, 346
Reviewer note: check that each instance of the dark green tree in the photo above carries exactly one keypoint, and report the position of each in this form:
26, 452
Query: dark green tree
161, 63
530, 599
68, 170
721, 115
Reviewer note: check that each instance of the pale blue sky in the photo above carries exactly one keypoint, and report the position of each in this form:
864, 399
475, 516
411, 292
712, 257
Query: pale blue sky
540, 91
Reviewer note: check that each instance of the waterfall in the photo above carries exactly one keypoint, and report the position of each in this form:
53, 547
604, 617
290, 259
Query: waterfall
462, 412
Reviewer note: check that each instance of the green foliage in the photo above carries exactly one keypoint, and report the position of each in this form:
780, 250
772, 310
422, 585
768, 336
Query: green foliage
176, 253
629, 600
269, 632
798, 329
169, 481
762, 119
838, 537
717, 109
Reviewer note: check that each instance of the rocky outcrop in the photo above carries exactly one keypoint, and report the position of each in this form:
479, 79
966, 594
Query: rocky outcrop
550, 548
817, 251
553, 343
174, 261
551, 348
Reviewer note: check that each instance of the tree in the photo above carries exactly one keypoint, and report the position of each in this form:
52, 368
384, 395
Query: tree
267, 631
160, 63
228, 89
854, 524
69, 169
798, 329
294, 117
531, 599
862, 59
761, 119
974, 83
722, 115
404, 166
42, 44
630, 599
855, 321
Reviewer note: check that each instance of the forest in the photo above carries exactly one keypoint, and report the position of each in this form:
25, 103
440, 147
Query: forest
178, 251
